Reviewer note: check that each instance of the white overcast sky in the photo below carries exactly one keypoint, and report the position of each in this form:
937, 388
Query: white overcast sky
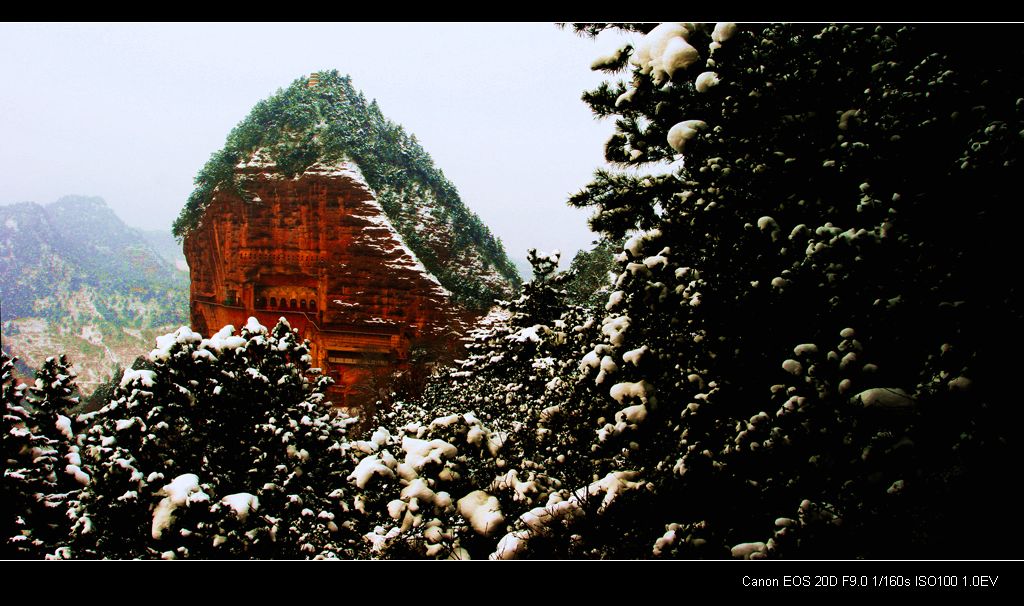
130, 112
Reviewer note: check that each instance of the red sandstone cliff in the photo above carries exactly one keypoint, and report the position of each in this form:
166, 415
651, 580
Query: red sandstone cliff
318, 250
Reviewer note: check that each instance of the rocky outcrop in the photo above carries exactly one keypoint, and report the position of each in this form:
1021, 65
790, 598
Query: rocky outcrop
318, 250
325, 119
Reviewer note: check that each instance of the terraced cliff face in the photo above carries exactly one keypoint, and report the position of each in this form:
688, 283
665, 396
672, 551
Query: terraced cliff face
321, 210
318, 250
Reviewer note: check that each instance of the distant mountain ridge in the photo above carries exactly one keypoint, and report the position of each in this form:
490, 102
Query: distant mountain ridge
165, 245
75, 279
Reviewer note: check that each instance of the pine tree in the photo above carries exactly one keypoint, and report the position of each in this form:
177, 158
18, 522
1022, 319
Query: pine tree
799, 353
51, 400
42, 476
54, 393
588, 279
24, 452
812, 335
223, 448
447, 475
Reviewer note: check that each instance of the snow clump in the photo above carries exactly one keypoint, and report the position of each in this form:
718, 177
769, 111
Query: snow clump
664, 51
482, 511
164, 343
722, 32
367, 468
242, 503
145, 377
884, 397
181, 492
682, 132
705, 81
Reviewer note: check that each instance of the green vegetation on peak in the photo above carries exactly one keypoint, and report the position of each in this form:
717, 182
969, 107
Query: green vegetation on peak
331, 121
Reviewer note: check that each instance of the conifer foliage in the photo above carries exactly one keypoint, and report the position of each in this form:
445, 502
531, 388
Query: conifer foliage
447, 476
21, 449
818, 331
42, 473
223, 448
799, 356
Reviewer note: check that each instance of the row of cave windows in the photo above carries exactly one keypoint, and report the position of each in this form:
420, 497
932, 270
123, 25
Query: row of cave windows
303, 305
294, 304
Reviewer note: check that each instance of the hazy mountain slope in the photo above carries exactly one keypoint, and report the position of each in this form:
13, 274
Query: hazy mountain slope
165, 245
75, 279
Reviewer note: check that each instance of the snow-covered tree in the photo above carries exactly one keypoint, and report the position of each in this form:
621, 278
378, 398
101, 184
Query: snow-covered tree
41, 474
223, 448
802, 326
588, 281
51, 400
424, 477
799, 353
21, 482
54, 393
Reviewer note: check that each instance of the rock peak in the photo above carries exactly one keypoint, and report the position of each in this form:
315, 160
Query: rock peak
313, 126
318, 249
